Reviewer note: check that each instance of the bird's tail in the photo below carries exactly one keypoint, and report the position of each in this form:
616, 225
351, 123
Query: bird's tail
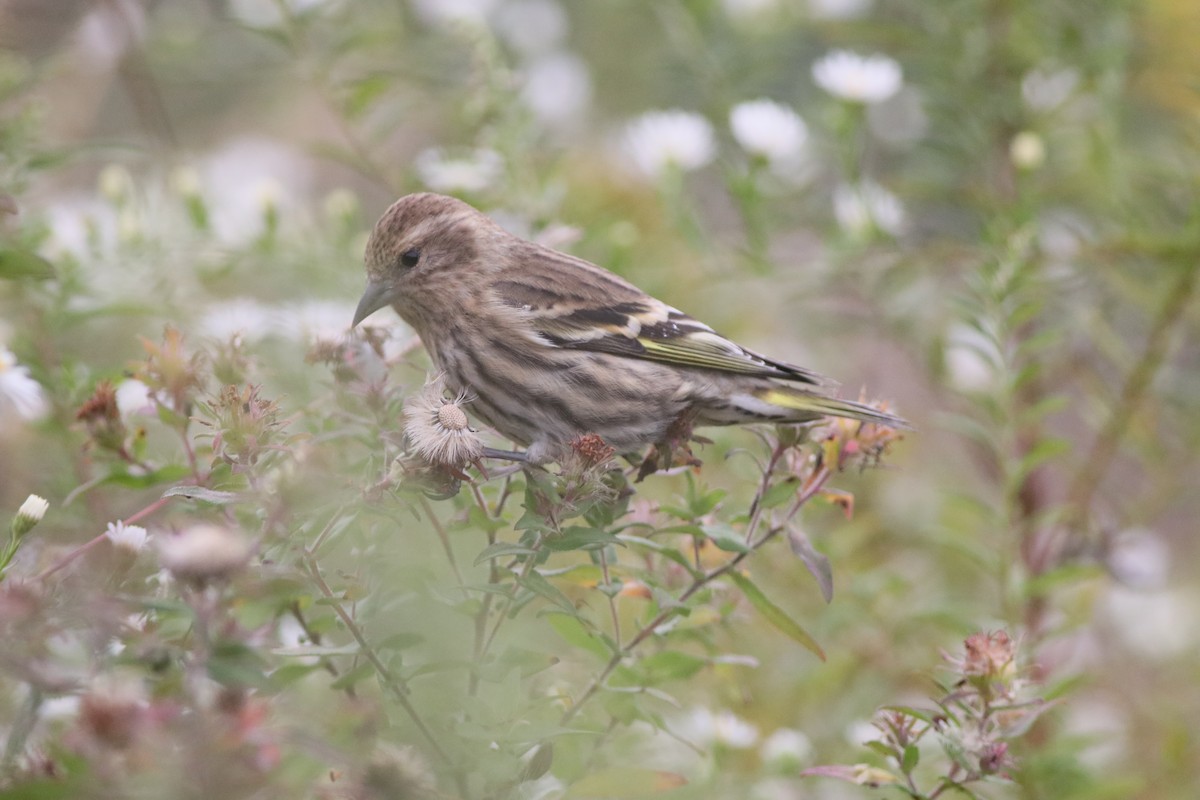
808, 406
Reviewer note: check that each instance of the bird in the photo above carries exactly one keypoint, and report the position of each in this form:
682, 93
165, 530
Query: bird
550, 347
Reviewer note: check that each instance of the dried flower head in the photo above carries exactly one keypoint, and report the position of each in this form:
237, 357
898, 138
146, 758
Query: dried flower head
171, 371
438, 428
102, 416
113, 711
246, 425
987, 655
203, 553
847, 441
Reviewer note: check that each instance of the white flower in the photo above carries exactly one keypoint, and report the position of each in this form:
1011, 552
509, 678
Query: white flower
532, 26
246, 175
1159, 624
20, 395
724, 728
787, 748
270, 13
838, 9
1027, 150
129, 537
239, 316
135, 398
850, 76
768, 129
660, 140
745, 9
314, 320
34, 508
203, 553
971, 359
1045, 89
867, 206
861, 732
558, 88
1139, 559
448, 12
472, 171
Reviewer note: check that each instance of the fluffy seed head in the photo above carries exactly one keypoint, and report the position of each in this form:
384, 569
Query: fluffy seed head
203, 553
438, 427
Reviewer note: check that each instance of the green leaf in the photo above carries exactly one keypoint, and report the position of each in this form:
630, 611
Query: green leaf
580, 538
775, 615
575, 633
236, 664
363, 671
291, 673
501, 549
670, 665
312, 650
666, 551
817, 563
537, 584
781, 492
623, 782
400, 641
201, 493
17, 263
725, 538
912, 755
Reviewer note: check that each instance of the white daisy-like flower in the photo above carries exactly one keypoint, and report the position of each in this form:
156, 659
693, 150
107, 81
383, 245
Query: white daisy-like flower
438, 428
532, 26
866, 207
203, 553
1139, 559
748, 9
724, 728
472, 171
249, 178
1027, 150
239, 316
451, 12
970, 359
838, 9
128, 537
558, 88
1046, 89
34, 508
860, 79
661, 140
1158, 624
134, 398
769, 129
787, 749
20, 395
28, 515
270, 13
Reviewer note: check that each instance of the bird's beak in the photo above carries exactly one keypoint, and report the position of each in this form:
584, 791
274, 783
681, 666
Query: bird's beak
374, 298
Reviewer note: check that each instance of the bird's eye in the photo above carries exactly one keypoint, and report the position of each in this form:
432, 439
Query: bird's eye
410, 257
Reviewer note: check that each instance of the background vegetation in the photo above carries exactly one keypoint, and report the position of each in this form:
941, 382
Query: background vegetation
237, 590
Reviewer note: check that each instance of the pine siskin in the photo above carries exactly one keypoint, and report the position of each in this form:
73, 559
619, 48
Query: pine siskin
552, 347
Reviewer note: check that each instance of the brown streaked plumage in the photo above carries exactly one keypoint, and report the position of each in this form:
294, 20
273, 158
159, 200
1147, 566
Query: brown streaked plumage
552, 347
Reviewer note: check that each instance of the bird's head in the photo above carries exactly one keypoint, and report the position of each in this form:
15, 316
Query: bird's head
416, 242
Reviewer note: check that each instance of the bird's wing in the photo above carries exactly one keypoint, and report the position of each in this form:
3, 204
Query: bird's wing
596, 310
